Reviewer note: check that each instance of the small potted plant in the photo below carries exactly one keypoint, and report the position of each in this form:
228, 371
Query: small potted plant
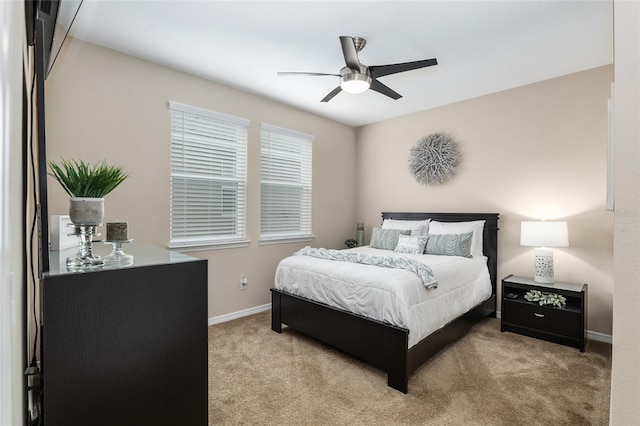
87, 184
351, 243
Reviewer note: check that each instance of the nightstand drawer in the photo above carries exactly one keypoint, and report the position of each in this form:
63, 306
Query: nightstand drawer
542, 318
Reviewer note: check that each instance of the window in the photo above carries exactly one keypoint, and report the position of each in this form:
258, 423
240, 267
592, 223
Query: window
208, 177
285, 163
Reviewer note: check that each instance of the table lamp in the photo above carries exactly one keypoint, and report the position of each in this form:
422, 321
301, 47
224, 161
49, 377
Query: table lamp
543, 235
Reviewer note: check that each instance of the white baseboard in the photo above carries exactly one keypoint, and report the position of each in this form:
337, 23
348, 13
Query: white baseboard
591, 335
600, 337
239, 314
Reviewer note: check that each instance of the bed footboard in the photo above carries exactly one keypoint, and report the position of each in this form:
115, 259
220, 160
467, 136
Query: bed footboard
379, 344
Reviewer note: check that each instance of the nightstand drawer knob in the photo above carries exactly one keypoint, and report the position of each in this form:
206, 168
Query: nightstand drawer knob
538, 315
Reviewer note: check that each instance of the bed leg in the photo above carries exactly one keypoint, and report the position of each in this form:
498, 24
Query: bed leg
399, 384
276, 323
398, 380
397, 371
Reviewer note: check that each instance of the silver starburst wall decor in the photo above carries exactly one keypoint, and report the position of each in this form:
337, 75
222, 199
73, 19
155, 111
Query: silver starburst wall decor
433, 159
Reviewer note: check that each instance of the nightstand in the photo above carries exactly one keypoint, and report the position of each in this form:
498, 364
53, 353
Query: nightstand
566, 325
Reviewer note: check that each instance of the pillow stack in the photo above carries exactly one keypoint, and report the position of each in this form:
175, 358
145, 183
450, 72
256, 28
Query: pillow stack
430, 237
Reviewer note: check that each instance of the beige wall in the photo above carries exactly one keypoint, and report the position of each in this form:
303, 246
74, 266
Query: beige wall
103, 104
625, 377
533, 152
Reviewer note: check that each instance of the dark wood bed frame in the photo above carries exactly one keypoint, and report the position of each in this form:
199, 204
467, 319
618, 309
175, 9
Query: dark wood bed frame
381, 344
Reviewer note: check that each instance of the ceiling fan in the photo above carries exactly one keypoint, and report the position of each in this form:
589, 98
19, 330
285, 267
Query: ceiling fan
356, 77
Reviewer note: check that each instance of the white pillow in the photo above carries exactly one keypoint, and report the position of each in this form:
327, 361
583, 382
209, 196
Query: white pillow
417, 227
476, 226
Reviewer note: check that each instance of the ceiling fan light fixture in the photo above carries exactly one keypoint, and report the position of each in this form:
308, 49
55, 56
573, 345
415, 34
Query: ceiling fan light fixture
355, 82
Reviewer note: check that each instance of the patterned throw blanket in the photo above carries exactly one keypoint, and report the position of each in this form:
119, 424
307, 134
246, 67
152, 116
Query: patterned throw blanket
420, 269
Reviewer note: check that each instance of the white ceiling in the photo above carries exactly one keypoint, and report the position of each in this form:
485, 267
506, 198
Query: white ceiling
482, 46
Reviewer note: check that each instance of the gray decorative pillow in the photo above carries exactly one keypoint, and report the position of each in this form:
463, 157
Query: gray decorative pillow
386, 239
450, 244
411, 244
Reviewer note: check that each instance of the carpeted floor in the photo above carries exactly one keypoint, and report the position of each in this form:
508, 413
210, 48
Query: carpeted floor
257, 376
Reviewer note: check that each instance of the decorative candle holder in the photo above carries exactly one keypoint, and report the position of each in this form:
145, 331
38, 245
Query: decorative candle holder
117, 255
84, 259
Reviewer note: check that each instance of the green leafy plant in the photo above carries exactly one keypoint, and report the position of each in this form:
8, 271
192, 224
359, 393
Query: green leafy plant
545, 298
80, 179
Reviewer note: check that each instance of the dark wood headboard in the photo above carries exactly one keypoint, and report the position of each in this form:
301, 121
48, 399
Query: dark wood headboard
489, 237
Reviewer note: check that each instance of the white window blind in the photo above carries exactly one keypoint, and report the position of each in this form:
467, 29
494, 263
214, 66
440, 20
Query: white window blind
285, 163
208, 177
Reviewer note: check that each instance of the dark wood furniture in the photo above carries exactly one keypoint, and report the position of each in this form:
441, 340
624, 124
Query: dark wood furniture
380, 344
566, 325
126, 346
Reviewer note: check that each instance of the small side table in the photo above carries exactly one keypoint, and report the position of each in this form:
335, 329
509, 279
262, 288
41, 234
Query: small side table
566, 325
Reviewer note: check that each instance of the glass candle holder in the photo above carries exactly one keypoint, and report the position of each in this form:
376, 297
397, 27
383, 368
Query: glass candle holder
117, 255
84, 259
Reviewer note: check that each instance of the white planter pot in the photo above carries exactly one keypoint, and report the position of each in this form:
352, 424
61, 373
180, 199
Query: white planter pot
86, 211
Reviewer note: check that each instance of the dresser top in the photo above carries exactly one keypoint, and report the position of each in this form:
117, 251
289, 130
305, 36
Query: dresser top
143, 255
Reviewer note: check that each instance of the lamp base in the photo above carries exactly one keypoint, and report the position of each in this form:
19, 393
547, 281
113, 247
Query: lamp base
543, 266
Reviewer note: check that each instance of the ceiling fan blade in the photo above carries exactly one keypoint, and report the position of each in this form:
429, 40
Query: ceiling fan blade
385, 90
332, 94
382, 70
350, 53
294, 73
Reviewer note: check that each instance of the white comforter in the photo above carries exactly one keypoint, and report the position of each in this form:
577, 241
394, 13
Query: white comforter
390, 295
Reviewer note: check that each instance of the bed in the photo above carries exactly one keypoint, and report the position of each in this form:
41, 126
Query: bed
379, 342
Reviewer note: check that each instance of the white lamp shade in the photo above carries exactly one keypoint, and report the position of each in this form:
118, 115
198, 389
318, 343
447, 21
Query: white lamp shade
544, 234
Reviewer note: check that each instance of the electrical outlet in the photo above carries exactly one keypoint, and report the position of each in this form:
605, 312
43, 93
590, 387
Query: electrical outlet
244, 283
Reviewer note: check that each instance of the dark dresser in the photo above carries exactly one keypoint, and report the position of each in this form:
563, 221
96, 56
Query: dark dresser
125, 345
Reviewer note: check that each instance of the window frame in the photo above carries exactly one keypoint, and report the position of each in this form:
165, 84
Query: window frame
305, 232
237, 146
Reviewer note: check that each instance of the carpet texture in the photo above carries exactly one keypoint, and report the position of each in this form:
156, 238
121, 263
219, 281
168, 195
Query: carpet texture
257, 376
